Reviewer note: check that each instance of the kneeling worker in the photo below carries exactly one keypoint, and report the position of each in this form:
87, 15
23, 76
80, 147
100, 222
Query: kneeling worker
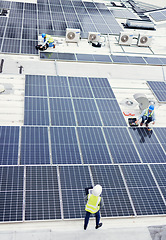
148, 115
94, 202
48, 41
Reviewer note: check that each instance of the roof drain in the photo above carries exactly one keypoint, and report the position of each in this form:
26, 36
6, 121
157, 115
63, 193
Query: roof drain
20, 69
1, 65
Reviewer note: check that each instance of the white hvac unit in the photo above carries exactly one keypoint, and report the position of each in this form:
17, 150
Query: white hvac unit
94, 37
125, 38
72, 35
144, 40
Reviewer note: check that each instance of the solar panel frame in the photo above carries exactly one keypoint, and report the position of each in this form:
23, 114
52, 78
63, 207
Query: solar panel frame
35, 85
159, 89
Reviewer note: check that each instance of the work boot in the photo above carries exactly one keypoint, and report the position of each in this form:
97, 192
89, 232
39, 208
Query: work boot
98, 226
141, 123
54, 46
146, 124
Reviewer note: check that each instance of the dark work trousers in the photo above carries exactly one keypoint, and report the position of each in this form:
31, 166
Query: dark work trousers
87, 216
149, 119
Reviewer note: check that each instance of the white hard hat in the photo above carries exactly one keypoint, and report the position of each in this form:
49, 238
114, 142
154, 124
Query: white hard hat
97, 190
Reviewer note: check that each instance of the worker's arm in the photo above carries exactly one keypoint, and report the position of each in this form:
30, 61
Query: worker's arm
101, 202
154, 118
45, 42
140, 116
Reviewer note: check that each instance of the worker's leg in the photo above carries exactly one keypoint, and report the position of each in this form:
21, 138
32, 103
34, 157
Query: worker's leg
143, 120
52, 44
97, 215
149, 119
87, 216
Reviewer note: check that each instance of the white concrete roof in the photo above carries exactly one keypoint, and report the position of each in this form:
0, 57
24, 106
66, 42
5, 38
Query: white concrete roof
125, 80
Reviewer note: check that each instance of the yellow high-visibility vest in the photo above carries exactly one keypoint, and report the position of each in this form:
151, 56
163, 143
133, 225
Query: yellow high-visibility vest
146, 113
93, 204
49, 38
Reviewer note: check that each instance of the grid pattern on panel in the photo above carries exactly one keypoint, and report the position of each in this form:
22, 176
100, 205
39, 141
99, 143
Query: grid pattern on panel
143, 190
115, 197
58, 86
34, 145
161, 134
35, 85
62, 113
36, 111
42, 193
121, 146
110, 112
64, 146
80, 87
159, 90
101, 88
9, 144
159, 171
147, 145
11, 193
158, 15
74, 180
86, 112
93, 146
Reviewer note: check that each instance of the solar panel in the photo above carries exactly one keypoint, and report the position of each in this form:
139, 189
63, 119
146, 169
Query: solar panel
64, 146
147, 145
28, 47
85, 57
159, 89
11, 193
159, 171
161, 134
143, 190
80, 87
93, 146
119, 59
101, 88
153, 61
35, 85
58, 86
42, 194
101, 58
11, 45
158, 16
121, 147
136, 60
62, 113
108, 105
74, 179
9, 145
36, 111
86, 112
34, 145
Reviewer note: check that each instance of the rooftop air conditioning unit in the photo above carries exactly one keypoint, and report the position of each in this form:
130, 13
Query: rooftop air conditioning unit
125, 38
94, 37
72, 35
144, 40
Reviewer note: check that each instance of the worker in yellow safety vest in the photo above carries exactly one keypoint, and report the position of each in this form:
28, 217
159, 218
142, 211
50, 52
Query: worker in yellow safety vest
148, 115
48, 41
94, 202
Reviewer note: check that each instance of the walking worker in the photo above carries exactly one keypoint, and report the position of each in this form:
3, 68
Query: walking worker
48, 40
94, 202
148, 115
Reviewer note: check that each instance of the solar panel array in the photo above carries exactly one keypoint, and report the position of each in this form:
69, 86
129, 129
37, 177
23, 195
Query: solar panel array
102, 58
25, 21
75, 136
158, 15
159, 90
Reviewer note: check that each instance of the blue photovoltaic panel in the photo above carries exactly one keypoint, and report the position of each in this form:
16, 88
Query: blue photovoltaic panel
80, 87
163, 60
121, 146
159, 89
147, 145
86, 112
35, 85
161, 134
153, 61
158, 16
58, 86
64, 146
159, 171
116, 203
11, 45
11, 193
27, 47
108, 176
9, 144
120, 59
143, 190
34, 145
74, 180
36, 111
108, 105
93, 146
101, 58
42, 193
136, 60
74, 177
62, 113
85, 57
101, 88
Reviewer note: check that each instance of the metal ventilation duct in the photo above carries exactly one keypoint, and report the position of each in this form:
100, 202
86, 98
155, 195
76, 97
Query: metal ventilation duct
132, 23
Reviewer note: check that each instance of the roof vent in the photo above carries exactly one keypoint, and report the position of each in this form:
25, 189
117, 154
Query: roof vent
142, 100
133, 23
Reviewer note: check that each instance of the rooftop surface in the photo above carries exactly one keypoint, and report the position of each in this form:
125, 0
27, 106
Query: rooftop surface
126, 79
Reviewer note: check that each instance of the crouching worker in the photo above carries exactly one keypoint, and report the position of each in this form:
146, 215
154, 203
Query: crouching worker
48, 41
94, 202
148, 115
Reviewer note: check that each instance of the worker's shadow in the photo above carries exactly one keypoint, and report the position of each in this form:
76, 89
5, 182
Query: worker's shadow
143, 133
